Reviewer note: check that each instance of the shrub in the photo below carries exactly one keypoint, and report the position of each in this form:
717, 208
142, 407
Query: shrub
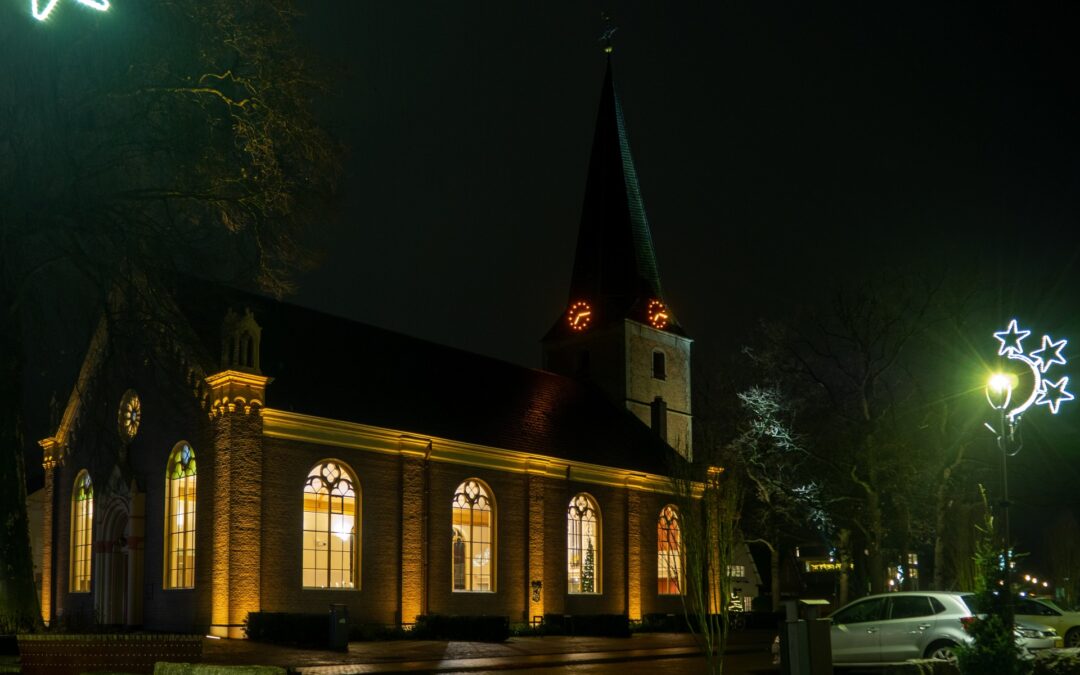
994, 650
664, 623
1057, 662
372, 632
468, 628
289, 628
594, 625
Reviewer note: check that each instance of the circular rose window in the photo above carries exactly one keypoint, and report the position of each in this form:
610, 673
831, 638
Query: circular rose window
130, 415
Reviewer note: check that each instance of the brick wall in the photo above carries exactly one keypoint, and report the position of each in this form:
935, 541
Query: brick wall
285, 468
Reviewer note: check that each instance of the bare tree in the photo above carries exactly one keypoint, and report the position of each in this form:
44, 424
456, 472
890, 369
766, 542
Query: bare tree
157, 137
709, 502
1063, 541
852, 357
774, 463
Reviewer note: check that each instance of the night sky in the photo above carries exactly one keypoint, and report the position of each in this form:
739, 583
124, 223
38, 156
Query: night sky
780, 147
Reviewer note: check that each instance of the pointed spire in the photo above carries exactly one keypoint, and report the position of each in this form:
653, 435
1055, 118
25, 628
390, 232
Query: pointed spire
615, 264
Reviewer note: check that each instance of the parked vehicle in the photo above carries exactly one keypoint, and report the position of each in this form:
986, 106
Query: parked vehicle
1043, 611
895, 627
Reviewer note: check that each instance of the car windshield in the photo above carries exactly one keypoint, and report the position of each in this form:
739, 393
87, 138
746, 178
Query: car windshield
1051, 604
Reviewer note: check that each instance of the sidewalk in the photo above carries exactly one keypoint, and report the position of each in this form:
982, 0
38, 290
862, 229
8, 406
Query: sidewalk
437, 656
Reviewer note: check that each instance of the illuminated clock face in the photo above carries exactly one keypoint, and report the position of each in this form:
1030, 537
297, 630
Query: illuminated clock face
130, 415
579, 315
658, 314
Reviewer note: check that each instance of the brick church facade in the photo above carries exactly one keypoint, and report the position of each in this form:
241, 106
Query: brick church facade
263, 456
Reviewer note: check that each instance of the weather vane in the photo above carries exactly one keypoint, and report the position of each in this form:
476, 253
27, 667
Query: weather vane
608, 34
41, 9
1039, 361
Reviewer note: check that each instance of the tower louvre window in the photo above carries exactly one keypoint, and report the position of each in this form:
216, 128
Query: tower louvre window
659, 366
659, 417
583, 363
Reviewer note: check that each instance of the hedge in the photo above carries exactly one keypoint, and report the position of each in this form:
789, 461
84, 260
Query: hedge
289, 628
593, 625
467, 628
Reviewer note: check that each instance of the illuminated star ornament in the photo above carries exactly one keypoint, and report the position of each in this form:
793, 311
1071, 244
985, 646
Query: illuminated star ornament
1039, 361
43, 8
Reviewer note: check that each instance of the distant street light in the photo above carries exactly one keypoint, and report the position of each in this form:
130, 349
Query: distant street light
41, 9
1000, 390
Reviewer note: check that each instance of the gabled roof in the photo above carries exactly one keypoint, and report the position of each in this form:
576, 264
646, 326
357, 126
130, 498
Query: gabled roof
615, 267
331, 367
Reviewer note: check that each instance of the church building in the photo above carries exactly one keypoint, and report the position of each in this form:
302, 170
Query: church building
264, 456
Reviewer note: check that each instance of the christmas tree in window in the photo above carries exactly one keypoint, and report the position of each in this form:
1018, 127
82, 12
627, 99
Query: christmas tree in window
588, 572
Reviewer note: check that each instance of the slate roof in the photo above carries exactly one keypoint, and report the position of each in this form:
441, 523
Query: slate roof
615, 264
332, 367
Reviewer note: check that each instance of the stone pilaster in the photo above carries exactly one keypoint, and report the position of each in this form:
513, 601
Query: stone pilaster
50, 460
414, 511
633, 554
535, 583
136, 553
237, 531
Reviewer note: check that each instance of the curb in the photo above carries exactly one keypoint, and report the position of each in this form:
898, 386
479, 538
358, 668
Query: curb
512, 662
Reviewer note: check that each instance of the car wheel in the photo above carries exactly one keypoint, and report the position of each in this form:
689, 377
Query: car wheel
1072, 638
942, 651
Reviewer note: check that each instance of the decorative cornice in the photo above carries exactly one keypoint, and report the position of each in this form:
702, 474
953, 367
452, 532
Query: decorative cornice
52, 454
306, 428
234, 391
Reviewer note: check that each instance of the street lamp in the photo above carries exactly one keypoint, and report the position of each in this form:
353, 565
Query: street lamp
1001, 390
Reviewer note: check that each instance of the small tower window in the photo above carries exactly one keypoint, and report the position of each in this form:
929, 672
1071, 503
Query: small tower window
659, 366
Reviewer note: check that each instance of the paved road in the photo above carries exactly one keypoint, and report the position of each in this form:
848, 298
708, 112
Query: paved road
734, 664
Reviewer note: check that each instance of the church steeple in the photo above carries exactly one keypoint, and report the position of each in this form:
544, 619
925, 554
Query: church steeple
615, 272
618, 330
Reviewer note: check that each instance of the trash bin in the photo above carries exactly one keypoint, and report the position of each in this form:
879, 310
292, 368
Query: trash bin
805, 645
339, 627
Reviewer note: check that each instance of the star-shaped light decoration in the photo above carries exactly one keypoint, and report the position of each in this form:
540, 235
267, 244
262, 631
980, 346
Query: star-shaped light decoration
1010, 339
1039, 361
43, 8
1059, 394
1049, 353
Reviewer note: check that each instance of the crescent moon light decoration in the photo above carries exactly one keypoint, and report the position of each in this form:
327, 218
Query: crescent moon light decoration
1044, 391
41, 9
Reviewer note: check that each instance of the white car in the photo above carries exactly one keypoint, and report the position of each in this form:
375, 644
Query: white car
1066, 624
896, 627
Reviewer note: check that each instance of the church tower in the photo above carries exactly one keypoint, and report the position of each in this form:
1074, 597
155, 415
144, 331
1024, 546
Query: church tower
618, 330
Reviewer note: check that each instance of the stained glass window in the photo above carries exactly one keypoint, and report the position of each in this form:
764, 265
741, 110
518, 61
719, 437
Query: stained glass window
82, 526
669, 567
331, 515
583, 545
180, 486
473, 542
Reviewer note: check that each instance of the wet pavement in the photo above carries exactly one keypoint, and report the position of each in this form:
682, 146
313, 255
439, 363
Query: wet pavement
748, 654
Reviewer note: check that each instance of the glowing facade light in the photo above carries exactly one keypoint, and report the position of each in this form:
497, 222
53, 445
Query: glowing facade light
999, 388
41, 9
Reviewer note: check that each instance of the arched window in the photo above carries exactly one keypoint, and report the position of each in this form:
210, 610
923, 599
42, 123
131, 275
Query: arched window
180, 518
583, 545
82, 530
473, 542
331, 515
669, 562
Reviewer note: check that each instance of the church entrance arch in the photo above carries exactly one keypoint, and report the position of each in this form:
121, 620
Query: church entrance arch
119, 560
114, 555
